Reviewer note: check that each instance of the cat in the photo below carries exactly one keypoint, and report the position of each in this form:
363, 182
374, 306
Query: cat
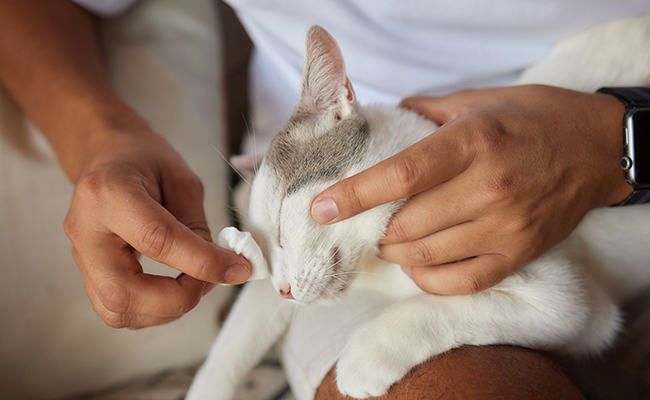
565, 301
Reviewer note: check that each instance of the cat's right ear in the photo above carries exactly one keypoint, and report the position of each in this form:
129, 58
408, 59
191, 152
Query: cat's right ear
246, 164
325, 87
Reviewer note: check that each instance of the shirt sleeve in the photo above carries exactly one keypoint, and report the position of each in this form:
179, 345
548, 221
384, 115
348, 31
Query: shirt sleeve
105, 8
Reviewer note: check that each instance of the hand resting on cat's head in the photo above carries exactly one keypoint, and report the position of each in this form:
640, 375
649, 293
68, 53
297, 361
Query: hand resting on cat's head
510, 174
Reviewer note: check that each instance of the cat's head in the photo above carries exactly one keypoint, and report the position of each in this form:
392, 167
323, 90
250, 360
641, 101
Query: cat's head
325, 140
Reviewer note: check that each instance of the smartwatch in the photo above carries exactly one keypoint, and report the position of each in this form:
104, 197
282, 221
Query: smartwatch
636, 138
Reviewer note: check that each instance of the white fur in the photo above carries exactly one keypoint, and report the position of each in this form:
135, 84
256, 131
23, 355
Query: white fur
565, 301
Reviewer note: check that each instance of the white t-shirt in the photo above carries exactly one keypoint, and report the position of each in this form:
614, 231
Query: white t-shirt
398, 49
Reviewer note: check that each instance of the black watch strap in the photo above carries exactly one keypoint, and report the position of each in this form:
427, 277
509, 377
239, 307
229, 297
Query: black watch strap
632, 97
637, 197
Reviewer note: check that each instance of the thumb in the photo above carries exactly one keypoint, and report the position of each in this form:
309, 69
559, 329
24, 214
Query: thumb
184, 200
158, 234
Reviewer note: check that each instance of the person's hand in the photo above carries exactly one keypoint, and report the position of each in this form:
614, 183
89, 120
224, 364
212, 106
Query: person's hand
133, 193
137, 195
511, 173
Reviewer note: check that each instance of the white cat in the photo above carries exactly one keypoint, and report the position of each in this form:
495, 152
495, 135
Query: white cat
565, 301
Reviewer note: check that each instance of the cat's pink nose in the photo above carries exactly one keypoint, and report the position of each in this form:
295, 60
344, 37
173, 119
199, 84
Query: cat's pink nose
285, 292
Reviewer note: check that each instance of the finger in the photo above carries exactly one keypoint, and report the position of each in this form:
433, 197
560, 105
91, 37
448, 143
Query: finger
443, 109
183, 198
427, 163
123, 320
449, 204
464, 277
433, 108
153, 231
124, 296
185, 203
456, 243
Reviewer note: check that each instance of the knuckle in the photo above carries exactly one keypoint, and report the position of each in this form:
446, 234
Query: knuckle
405, 175
421, 254
92, 187
464, 93
469, 283
114, 320
155, 240
351, 198
106, 181
532, 246
519, 224
204, 272
489, 135
71, 226
524, 222
209, 269
116, 299
499, 188
398, 231
185, 305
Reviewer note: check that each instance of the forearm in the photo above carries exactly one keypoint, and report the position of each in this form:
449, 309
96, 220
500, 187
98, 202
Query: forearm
52, 67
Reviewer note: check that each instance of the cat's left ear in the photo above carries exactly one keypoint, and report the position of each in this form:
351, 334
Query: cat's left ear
326, 90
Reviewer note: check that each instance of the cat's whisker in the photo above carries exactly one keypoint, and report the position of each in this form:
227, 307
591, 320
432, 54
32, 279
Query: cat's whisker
359, 273
231, 166
341, 280
350, 254
255, 165
293, 316
333, 255
266, 327
252, 142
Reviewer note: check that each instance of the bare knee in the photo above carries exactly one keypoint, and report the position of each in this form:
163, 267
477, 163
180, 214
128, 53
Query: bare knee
471, 372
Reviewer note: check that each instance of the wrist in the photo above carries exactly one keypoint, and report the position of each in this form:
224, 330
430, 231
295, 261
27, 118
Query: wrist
52, 67
86, 126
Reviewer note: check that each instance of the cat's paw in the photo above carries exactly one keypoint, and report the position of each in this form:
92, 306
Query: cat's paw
366, 369
243, 244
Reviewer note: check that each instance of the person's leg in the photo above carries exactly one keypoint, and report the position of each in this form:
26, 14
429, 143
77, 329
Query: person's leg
489, 372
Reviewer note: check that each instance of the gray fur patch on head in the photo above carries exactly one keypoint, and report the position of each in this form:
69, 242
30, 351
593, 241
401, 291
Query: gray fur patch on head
300, 156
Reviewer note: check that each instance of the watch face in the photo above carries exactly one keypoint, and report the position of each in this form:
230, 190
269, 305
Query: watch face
640, 146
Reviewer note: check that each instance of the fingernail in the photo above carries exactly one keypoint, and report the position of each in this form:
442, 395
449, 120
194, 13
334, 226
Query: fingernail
236, 274
407, 270
324, 210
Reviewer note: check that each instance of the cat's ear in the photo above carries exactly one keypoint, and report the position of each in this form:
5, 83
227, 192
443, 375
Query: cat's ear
325, 87
246, 164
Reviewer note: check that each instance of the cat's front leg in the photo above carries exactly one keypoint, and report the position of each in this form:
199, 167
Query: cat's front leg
258, 318
548, 305
385, 349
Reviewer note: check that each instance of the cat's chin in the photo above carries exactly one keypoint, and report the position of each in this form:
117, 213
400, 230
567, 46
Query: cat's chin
320, 301
330, 295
